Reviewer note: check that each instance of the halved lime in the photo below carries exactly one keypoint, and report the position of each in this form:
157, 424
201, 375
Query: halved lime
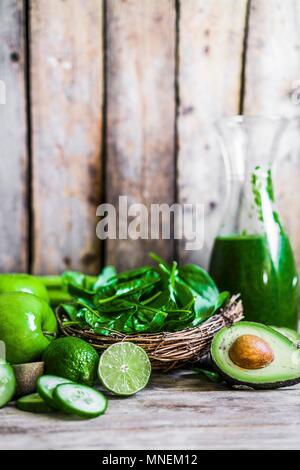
33, 403
124, 368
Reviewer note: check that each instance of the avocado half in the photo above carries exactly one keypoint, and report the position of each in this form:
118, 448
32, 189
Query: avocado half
283, 371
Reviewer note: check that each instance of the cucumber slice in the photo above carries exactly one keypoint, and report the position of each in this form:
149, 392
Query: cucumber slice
8, 383
46, 386
80, 400
33, 403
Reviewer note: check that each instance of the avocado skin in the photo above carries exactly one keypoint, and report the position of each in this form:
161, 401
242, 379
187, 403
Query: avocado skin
265, 386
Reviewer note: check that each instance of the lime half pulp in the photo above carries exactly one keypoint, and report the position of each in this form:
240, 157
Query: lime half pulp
124, 369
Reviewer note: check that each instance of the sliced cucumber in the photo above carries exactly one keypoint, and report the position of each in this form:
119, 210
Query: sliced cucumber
33, 403
80, 400
46, 385
8, 383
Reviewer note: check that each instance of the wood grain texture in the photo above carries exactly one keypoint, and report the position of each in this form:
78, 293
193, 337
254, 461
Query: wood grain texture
67, 97
272, 88
13, 151
211, 38
177, 411
140, 114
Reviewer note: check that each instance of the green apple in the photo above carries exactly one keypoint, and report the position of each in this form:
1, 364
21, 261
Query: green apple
27, 326
23, 283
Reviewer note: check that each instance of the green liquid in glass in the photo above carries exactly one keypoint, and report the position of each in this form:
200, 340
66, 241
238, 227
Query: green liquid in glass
243, 264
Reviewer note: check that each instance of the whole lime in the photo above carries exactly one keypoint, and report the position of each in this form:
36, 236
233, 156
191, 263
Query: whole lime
73, 359
23, 283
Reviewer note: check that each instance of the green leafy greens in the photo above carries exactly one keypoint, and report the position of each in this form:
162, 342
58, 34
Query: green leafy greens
144, 300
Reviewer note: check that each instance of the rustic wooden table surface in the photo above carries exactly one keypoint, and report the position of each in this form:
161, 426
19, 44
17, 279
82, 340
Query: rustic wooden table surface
177, 411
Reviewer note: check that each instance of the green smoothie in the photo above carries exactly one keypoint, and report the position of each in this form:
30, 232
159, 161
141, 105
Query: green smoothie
261, 267
269, 289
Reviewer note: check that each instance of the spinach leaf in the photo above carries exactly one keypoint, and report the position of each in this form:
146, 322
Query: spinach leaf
221, 300
71, 311
75, 278
107, 277
200, 282
143, 300
203, 287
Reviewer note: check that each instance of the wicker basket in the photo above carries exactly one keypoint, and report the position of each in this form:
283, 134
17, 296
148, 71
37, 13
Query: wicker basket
166, 350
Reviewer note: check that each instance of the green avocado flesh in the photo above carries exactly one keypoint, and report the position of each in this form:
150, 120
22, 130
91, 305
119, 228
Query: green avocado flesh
292, 335
282, 372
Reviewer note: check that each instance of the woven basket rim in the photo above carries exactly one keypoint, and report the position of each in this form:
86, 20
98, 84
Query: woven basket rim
166, 350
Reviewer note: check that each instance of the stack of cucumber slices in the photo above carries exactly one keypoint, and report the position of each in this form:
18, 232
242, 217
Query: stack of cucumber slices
57, 393
124, 369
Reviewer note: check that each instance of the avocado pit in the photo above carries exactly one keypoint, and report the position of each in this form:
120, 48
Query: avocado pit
251, 352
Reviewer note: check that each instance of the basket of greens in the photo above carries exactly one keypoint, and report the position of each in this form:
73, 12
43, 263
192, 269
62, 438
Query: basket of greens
172, 312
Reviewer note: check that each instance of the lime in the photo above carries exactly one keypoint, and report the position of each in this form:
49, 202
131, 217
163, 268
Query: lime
80, 400
72, 358
33, 403
124, 368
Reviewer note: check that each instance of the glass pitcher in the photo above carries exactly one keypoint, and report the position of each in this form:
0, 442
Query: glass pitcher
252, 254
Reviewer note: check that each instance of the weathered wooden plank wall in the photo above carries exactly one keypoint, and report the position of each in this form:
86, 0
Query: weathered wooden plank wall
13, 148
211, 38
66, 102
271, 83
140, 114
122, 94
